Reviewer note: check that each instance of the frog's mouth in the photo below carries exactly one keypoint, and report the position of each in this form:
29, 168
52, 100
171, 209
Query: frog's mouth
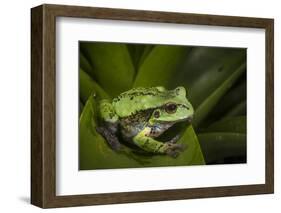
171, 123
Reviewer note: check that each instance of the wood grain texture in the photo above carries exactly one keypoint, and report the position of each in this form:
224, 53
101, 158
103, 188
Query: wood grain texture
43, 105
269, 118
36, 107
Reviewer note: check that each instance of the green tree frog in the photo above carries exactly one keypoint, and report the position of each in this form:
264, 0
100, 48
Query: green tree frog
140, 115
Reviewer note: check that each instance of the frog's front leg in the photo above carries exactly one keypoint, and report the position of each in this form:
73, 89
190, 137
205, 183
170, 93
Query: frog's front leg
174, 139
149, 144
109, 121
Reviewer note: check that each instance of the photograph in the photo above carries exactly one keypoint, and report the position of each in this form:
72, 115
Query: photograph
159, 105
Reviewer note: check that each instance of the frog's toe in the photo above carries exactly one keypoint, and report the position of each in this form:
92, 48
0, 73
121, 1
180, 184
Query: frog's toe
173, 153
182, 147
176, 146
174, 150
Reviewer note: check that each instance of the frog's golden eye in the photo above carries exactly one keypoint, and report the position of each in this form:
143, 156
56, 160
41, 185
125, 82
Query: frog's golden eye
170, 108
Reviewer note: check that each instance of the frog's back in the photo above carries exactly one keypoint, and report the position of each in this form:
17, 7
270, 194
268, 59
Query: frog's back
138, 99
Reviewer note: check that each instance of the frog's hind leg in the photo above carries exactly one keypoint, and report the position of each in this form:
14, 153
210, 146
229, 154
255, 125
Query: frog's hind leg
109, 124
110, 137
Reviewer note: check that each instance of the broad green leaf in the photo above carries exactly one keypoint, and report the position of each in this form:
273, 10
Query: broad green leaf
206, 68
233, 97
210, 102
138, 53
208, 73
81, 106
112, 66
87, 87
238, 110
145, 53
233, 124
218, 146
96, 154
84, 64
160, 66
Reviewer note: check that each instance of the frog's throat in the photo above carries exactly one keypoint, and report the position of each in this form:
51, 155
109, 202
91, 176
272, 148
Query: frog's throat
158, 128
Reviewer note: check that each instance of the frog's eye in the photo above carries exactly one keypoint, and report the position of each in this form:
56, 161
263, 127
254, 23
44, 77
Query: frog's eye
156, 114
170, 108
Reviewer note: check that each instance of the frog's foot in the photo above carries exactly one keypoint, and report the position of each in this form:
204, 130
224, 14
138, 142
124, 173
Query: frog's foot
110, 138
173, 149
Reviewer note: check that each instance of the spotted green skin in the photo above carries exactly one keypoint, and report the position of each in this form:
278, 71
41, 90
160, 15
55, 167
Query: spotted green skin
141, 115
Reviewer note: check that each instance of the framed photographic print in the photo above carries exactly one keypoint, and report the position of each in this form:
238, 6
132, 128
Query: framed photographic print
135, 106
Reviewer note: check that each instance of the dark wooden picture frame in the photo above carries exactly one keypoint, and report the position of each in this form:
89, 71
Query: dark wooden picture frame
43, 105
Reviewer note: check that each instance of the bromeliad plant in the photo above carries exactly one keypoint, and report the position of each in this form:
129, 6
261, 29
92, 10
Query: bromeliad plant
213, 77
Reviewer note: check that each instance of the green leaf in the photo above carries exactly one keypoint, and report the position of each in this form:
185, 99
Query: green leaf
146, 51
138, 53
238, 110
112, 66
210, 102
218, 146
84, 64
95, 153
235, 96
81, 106
206, 68
87, 87
160, 66
232, 124
232, 98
